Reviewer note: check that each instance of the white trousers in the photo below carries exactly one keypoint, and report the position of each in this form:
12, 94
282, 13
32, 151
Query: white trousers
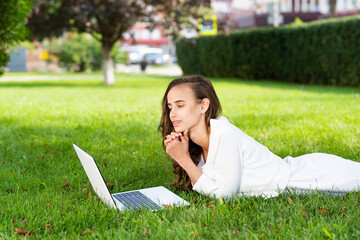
323, 172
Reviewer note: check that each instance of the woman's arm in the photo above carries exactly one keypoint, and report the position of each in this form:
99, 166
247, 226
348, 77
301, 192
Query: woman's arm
226, 167
222, 177
177, 146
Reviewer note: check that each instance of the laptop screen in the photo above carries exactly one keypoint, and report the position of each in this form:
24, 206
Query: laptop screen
95, 177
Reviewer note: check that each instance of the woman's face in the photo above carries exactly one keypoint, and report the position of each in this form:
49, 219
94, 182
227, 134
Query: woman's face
185, 109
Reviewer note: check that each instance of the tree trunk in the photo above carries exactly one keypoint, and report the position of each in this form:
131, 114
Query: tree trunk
108, 66
332, 11
171, 50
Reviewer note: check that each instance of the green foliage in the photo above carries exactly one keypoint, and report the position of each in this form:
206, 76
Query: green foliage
118, 126
81, 52
28, 45
47, 19
322, 52
12, 26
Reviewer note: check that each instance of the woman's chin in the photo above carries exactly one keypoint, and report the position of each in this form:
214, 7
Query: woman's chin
179, 130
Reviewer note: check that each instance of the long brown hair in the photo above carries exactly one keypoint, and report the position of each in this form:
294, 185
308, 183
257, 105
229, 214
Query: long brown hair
202, 89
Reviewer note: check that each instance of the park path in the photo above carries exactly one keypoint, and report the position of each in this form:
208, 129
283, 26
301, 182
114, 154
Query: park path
172, 71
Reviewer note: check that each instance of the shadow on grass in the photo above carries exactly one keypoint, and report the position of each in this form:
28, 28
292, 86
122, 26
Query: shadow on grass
152, 81
50, 83
44, 156
131, 143
127, 81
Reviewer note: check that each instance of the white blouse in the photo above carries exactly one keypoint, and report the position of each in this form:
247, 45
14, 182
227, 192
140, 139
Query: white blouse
238, 165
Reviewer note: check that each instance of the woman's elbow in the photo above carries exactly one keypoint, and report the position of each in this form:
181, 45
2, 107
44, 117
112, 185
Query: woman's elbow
224, 193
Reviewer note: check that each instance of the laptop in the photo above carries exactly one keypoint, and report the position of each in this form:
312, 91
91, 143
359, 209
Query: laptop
153, 198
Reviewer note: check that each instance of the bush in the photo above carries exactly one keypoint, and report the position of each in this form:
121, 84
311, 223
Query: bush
83, 53
80, 53
321, 52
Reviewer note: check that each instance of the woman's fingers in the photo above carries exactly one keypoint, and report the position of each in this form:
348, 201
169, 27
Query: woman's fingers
166, 141
184, 136
173, 135
178, 137
169, 140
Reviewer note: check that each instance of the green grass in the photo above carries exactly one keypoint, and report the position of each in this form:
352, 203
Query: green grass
117, 124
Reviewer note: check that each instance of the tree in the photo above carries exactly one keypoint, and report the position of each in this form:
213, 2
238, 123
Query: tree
332, 11
48, 19
108, 20
81, 52
12, 26
175, 15
105, 20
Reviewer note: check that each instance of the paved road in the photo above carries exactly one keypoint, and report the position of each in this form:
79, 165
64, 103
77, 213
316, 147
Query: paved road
172, 71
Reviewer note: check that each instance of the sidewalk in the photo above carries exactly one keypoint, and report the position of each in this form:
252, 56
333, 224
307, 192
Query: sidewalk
172, 71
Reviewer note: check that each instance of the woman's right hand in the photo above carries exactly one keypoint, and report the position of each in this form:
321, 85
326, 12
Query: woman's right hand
177, 146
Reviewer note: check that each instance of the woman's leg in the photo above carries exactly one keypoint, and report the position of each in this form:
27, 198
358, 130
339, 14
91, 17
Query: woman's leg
323, 172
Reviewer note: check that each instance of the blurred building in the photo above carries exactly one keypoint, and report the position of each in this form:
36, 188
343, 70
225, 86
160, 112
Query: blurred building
236, 13
140, 40
32, 60
306, 10
255, 13
17, 61
140, 34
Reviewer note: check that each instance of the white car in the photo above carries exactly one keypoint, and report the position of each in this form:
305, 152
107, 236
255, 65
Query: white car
137, 52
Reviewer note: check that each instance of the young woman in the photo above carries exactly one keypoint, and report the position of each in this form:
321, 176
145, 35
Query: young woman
213, 157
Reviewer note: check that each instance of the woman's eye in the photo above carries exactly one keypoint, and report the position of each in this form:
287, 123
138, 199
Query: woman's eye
180, 106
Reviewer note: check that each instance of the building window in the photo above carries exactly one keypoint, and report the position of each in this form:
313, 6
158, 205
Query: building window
145, 34
156, 34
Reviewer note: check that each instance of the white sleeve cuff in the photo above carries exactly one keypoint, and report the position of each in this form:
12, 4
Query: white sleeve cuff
202, 182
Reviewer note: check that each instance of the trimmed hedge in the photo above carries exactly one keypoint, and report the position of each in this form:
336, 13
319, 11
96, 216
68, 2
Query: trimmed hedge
320, 52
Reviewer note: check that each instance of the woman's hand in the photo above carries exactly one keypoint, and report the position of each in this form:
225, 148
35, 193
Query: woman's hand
177, 146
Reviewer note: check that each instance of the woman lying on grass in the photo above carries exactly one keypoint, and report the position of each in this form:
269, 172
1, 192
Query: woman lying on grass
213, 157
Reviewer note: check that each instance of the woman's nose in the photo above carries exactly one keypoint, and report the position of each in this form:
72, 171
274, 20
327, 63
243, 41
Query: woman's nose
172, 113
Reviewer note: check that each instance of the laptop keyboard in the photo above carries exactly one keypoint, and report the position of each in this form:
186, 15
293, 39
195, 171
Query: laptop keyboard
136, 200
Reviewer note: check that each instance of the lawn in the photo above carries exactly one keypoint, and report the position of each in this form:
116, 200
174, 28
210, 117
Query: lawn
44, 189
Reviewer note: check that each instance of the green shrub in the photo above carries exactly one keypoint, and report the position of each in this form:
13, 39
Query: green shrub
83, 53
321, 52
80, 53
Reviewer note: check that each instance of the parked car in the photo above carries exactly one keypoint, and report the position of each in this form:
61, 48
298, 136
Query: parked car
156, 58
136, 53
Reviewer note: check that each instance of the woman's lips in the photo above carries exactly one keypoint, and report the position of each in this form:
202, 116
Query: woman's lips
176, 123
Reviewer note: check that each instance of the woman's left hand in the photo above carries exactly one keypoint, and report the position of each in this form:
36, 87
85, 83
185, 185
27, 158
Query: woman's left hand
177, 146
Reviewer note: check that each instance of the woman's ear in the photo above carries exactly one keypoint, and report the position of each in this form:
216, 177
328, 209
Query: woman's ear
205, 103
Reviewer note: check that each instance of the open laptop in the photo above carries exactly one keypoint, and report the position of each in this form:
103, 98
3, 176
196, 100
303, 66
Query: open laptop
153, 198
